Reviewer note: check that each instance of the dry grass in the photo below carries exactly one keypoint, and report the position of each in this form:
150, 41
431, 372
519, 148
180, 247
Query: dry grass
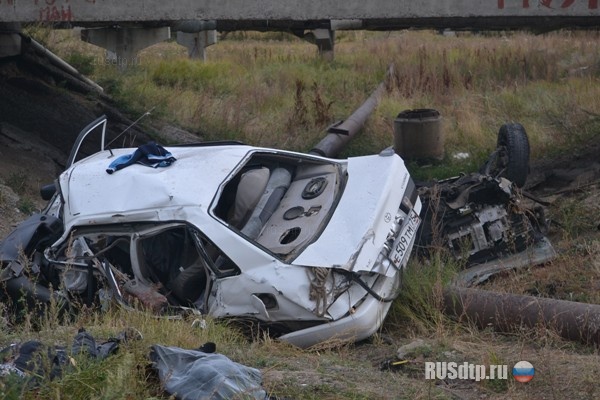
248, 89
270, 89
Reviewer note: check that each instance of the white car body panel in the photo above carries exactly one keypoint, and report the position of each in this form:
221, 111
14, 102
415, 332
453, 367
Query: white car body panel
361, 323
93, 196
375, 188
186, 193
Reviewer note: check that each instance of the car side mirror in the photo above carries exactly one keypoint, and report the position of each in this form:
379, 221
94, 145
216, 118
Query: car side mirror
47, 191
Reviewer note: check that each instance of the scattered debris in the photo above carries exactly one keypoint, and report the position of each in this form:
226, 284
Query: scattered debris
461, 156
408, 350
201, 374
480, 218
34, 361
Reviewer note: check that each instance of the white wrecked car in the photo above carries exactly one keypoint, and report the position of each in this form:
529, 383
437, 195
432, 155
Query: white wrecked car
310, 247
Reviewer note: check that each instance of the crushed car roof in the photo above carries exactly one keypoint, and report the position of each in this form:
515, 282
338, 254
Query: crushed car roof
91, 194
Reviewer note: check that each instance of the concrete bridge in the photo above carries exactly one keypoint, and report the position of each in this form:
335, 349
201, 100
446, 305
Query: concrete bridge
235, 14
125, 27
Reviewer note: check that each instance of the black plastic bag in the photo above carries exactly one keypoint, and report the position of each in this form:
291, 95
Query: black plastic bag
196, 375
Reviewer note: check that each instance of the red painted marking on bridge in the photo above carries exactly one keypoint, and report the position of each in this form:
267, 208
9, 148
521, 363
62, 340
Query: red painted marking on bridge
52, 13
525, 4
592, 4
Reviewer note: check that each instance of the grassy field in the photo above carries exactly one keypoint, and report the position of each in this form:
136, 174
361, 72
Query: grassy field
272, 90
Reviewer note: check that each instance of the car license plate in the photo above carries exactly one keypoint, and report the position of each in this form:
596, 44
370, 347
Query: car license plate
403, 243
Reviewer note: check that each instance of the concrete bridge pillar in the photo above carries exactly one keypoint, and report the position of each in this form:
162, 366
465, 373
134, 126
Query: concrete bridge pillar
10, 39
123, 44
325, 41
197, 42
324, 38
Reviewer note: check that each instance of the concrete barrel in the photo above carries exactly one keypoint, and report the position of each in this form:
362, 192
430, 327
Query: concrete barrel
418, 135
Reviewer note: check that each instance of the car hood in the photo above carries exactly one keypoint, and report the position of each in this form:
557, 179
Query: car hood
355, 235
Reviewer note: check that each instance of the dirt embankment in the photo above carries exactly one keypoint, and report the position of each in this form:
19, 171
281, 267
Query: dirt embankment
570, 184
43, 107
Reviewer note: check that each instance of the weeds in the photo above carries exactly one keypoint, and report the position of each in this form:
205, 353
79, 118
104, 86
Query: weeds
42, 33
572, 218
26, 206
496, 385
12, 388
322, 108
17, 181
83, 63
249, 89
420, 303
190, 74
299, 115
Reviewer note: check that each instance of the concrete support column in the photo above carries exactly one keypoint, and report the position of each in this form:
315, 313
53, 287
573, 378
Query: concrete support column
10, 39
197, 42
123, 44
325, 40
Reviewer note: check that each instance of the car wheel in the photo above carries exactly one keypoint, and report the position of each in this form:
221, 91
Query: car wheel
510, 160
514, 148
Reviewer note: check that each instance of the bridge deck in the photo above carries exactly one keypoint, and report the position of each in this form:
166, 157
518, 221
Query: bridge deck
296, 14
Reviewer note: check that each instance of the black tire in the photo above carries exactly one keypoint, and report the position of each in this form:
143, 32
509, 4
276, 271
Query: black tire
513, 147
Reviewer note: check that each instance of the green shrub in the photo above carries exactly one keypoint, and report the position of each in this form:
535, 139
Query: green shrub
82, 62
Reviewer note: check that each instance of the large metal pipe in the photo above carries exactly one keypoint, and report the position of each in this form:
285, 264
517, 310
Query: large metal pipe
60, 63
340, 134
508, 312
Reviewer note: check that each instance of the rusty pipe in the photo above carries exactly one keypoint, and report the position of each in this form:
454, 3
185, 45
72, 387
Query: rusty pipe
339, 134
507, 312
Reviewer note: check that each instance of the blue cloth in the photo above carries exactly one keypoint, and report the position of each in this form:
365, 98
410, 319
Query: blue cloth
151, 155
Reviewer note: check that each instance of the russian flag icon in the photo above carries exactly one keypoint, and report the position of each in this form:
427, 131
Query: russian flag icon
523, 371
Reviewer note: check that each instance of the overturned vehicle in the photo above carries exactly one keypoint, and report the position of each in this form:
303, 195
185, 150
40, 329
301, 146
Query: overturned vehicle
481, 218
310, 247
